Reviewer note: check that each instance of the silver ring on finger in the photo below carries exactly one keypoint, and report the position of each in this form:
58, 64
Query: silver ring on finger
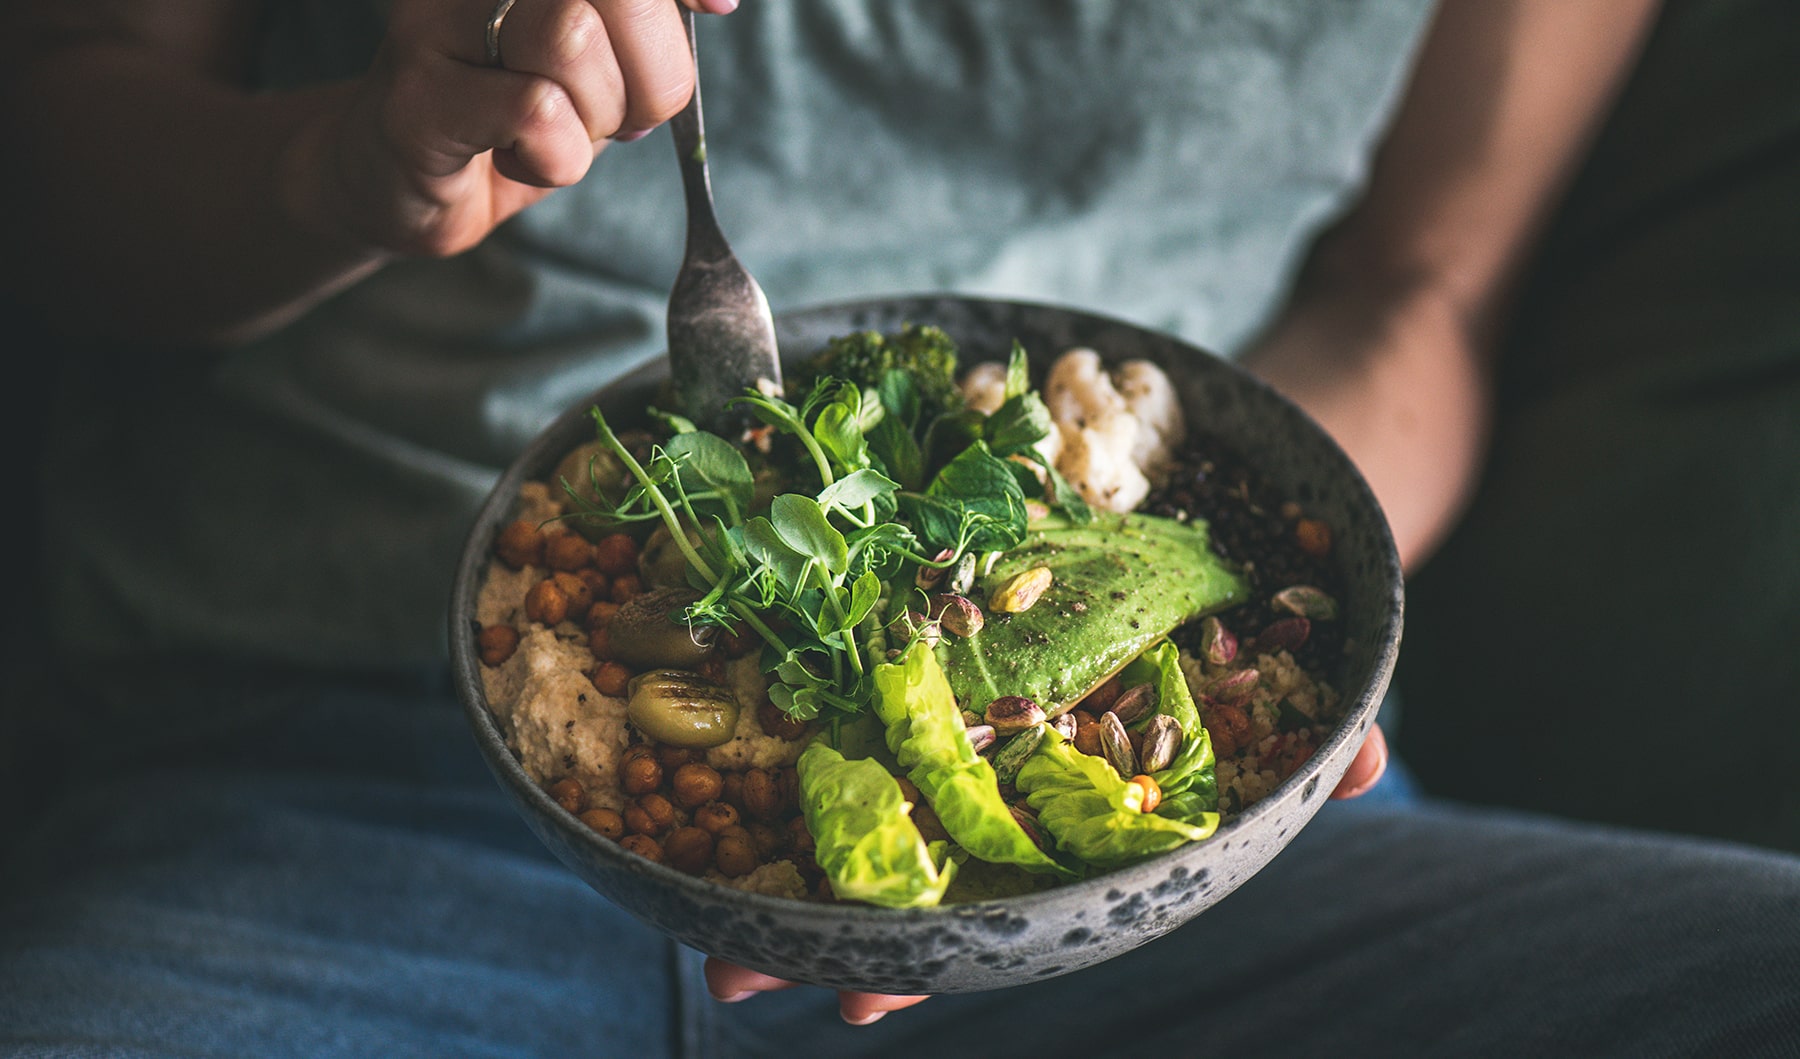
493, 31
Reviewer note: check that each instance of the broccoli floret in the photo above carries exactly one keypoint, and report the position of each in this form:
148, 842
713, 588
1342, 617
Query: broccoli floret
924, 352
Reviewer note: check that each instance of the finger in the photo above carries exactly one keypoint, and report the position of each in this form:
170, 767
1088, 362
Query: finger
566, 42
730, 983
652, 48
710, 7
861, 1009
1370, 762
441, 113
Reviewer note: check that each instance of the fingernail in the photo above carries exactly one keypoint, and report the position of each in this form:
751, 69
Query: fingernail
867, 1020
735, 997
720, 7
635, 134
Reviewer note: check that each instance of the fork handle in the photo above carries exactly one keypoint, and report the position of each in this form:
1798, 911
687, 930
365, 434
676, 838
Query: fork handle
705, 241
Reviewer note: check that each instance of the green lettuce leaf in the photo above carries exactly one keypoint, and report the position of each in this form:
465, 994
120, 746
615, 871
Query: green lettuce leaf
866, 842
925, 732
1096, 816
1189, 788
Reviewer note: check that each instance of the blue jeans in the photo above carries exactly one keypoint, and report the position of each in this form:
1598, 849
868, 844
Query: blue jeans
346, 879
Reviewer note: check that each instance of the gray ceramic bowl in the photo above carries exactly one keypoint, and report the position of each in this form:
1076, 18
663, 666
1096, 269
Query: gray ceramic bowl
990, 944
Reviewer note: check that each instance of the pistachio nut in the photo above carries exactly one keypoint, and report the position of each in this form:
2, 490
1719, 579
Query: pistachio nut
1218, 645
1162, 740
1028, 823
929, 577
1283, 634
1134, 704
962, 575
1019, 592
682, 709
1065, 725
1115, 746
981, 736
1011, 757
926, 629
1307, 602
958, 614
1234, 687
1012, 714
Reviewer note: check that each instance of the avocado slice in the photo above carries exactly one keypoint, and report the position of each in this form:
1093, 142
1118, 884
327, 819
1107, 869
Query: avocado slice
1122, 582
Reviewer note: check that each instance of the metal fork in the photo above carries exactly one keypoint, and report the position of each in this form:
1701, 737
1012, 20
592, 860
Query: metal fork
721, 333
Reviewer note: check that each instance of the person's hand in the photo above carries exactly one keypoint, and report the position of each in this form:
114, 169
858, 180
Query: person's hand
1366, 768
437, 145
730, 983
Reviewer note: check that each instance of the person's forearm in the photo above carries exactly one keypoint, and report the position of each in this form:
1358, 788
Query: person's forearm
1389, 335
158, 202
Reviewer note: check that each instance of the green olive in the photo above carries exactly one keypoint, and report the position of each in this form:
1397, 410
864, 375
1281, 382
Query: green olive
683, 709
644, 635
586, 465
661, 562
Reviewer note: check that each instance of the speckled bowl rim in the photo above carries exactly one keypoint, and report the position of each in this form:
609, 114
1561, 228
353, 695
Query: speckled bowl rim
465, 663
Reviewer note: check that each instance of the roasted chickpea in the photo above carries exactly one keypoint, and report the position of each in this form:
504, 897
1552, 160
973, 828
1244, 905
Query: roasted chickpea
713, 669
600, 643
925, 818
1313, 536
497, 644
1101, 698
598, 583
688, 849
736, 831
546, 604
733, 794
579, 595
738, 642
616, 554
762, 799
787, 784
626, 587
610, 678
640, 774
606, 821
567, 551
716, 816
568, 793
1087, 733
775, 721
799, 836
673, 757
650, 814
696, 784
734, 856
767, 839
601, 613
644, 846
520, 544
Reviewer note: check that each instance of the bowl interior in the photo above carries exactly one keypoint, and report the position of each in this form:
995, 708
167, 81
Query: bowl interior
988, 944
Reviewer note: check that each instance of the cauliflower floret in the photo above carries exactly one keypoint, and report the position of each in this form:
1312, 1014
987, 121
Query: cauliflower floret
1152, 399
984, 387
1097, 462
1119, 430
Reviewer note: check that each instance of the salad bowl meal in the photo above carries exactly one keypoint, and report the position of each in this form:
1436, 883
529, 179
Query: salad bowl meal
996, 641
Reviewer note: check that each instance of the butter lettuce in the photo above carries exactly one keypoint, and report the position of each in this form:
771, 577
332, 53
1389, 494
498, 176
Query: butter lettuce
1189, 789
866, 843
926, 735
1096, 816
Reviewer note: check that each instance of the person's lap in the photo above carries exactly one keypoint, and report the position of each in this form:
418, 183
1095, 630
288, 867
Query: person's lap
352, 882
